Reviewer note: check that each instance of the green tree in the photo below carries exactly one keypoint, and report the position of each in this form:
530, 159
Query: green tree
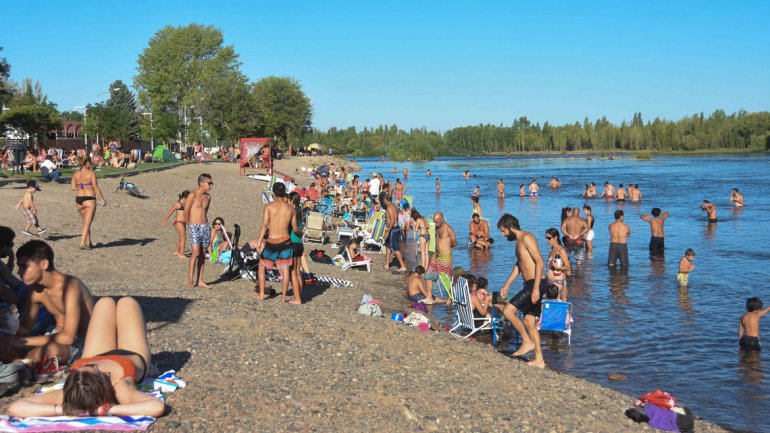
283, 110
228, 108
172, 71
30, 112
122, 117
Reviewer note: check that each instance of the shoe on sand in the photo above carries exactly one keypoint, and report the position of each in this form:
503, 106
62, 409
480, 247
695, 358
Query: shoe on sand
41, 231
26, 233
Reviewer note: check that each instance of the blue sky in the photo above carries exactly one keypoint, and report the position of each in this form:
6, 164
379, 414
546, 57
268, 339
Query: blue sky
437, 64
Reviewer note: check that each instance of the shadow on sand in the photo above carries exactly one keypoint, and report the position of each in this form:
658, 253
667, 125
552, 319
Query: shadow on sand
126, 242
162, 311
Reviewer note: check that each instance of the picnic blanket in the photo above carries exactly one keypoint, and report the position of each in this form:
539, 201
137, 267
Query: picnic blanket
157, 386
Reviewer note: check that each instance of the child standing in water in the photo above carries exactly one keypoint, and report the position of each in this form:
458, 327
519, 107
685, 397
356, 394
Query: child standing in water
685, 267
27, 206
748, 331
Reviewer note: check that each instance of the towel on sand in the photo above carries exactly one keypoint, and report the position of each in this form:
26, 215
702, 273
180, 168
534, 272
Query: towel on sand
165, 383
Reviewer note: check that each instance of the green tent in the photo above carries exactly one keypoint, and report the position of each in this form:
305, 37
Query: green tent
162, 154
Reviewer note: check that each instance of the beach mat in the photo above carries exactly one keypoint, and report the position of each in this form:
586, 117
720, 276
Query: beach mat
336, 282
157, 386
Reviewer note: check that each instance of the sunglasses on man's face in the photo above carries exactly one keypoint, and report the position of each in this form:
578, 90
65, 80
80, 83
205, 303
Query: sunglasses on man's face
210, 183
548, 238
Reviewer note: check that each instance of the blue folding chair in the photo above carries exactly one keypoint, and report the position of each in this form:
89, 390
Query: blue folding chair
556, 316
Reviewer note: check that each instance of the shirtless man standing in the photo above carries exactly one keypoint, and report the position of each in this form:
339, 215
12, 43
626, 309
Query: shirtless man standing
736, 198
575, 229
479, 232
710, 209
196, 208
609, 191
274, 242
442, 259
64, 296
621, 193
656, 228
533, 188
619, 234
392, 235
529, 263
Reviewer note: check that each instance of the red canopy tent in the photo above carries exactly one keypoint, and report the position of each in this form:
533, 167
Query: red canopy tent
252, 146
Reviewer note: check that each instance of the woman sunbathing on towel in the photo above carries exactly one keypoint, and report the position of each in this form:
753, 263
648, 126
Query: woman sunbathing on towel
115, 357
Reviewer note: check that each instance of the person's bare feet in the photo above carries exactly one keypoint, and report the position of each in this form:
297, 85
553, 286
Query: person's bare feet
524, 349
537, 363
180, 256
402, 270
190, 285
204, 285
295, 302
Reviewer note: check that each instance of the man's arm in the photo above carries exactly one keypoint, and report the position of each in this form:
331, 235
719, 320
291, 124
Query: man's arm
534, 252
763, 312
294, 225
452, 237
740, 327
263, 229
664, 215
564, 228
188, 204
646, 217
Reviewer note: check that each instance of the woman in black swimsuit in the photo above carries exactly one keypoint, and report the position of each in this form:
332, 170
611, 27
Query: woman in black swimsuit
86, 190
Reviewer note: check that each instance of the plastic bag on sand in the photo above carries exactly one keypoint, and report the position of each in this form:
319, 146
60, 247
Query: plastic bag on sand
370, 309
415, 319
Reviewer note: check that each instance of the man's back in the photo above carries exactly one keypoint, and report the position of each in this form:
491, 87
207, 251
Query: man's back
619, 232
575, 226
279, 213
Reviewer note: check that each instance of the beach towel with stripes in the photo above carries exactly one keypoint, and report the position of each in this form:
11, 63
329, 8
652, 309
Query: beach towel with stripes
157, 386
336, 282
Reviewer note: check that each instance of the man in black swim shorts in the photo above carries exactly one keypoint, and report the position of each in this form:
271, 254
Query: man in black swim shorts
530, 264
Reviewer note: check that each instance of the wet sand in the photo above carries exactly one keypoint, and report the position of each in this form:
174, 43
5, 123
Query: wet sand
264, 366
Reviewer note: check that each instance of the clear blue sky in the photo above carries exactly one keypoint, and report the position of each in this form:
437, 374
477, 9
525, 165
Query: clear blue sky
437, 64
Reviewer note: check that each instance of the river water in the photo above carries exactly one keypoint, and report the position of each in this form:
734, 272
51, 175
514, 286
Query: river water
638, 323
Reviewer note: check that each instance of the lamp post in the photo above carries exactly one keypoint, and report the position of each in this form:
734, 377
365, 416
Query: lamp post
152, 131
85, 122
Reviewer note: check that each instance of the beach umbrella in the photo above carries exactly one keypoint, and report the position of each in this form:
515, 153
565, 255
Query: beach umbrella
315, 146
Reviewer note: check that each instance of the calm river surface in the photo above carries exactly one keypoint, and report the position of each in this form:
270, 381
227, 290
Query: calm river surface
636, 323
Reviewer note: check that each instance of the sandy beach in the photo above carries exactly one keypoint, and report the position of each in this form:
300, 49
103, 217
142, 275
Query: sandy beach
265, 366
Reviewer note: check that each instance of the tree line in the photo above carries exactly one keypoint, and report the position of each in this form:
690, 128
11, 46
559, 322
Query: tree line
740, 131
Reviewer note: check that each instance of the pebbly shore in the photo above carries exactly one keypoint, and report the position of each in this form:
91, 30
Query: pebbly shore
268, 367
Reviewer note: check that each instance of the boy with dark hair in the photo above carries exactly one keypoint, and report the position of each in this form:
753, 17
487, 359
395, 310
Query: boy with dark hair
748, 330
415, 285
196, 208
657, 222
13, 290
28, 209
64, 296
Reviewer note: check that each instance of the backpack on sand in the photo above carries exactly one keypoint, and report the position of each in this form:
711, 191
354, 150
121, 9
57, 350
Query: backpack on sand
13, 376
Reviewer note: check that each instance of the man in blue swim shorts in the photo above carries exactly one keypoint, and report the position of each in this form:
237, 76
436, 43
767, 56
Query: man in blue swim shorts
276, 248
196, 208
392, 233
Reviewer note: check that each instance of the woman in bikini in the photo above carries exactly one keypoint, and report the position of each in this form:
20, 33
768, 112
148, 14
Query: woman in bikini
422, 229
179, 223
558, 266
103, 383
219, 241
476, 206
86, 191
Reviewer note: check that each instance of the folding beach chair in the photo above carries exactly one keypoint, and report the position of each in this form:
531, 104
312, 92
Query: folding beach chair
314, 228
244, 261
446, 283
346, 232
375, 239
347, 263
556, 316
464, 310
